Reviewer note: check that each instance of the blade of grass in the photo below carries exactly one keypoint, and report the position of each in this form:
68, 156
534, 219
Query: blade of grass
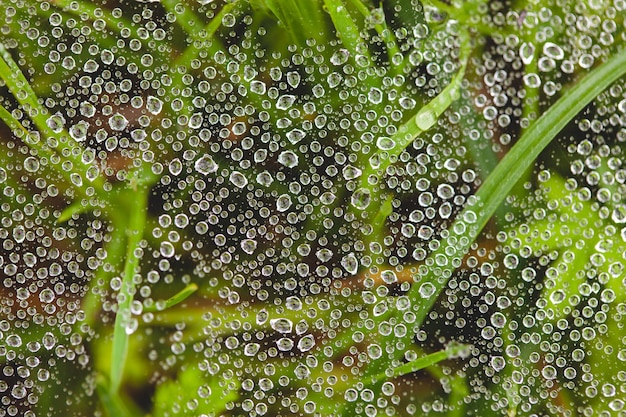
422, 121
62, 143
496, 187
112, 404
302, 19
426, 361
387, 36
443, 261
449, 352
135, 229
177, 298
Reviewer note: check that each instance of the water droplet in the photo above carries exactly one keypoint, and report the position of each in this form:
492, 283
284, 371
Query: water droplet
251, 349
31, 164
282, 325
258, 87
427, 290
288, 159
361, 198
295, 135
283, 203
619, 214
167, 249
306, 343
425, 119
285, 101
154, 105
527, 52
264, 178
340, 57
206, 165
350, 264
553, 51
118, 122
498, 363
238, 179
350, 172
248, 246
385, 143
78, 132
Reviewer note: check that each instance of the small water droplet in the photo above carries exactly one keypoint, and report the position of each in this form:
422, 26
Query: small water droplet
118, 122
238, 179
350, 264
425, 119
282, 325
288, 159
206, 165
361, 198
427, 290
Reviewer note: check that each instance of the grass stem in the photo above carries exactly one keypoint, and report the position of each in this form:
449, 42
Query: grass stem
122, 330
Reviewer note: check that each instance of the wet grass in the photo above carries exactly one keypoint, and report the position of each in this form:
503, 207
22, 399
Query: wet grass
123, 198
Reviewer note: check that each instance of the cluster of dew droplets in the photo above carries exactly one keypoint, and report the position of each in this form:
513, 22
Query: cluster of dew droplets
282, 188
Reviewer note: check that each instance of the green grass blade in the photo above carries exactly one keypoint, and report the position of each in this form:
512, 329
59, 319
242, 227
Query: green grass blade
497, 186
177, 298
63, 144
135, 230
422, 121
302, 19
201, 36
442, 262
450, 352
387, 36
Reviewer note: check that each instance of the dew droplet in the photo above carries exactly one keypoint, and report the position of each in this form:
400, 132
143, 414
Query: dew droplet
118, 122
288, 159
206, 165
238, 179
282, 325
425, 119
283, 203
350, 264
361, 198
427, 290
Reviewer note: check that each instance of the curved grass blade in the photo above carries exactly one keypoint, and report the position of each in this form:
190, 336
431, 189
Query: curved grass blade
302, 19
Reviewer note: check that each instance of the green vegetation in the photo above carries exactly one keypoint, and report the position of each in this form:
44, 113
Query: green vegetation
324, 207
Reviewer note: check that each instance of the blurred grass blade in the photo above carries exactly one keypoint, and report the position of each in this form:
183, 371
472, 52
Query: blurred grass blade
135, 230
302, 19
113, 404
